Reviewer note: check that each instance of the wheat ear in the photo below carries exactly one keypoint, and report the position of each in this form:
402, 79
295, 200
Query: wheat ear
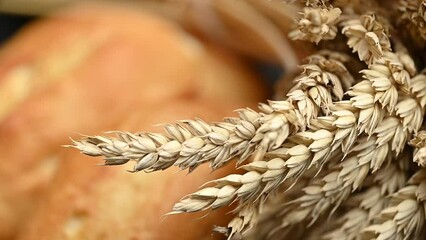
413, 17
404, 218
192, 142
419, 144
385, 78
361, 208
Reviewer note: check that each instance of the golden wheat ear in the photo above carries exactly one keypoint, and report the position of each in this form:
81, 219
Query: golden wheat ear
334, 149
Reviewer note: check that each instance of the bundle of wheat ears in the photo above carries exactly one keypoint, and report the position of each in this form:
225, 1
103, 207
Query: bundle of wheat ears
342, 156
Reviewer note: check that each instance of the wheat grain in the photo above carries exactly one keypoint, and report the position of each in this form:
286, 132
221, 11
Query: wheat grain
419, 144
366, 205
367, 37
405, 216
317, 24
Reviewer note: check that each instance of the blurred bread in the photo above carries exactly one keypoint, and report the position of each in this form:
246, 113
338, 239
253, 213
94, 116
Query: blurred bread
96, 68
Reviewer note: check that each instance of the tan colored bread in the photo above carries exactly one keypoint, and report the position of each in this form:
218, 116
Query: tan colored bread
92, 69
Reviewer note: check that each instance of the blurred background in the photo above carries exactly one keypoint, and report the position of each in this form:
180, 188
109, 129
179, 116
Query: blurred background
268, 46
10, 23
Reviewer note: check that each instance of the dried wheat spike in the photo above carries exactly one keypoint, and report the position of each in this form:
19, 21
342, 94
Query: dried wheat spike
314, 146
190, 143
244, 220
419, 144
323, 80
326, 135
317, 24
414, 11
367, 37
310, 3
187, 145
268, 219
418, 87
367, 154
350, 225
384, 80
248, 213
315, 3
405, 216
364, 206
299, 153
333, 189
283, 218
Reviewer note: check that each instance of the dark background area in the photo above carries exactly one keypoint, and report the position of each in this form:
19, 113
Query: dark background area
10, 24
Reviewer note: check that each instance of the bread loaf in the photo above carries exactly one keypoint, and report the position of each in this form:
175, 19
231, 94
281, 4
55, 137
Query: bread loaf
91, 69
